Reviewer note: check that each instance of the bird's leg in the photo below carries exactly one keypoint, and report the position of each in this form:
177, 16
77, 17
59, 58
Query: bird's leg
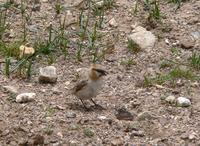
94, 102
84, 105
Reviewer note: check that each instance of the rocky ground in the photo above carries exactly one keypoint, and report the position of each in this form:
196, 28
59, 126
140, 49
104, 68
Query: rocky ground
135, 114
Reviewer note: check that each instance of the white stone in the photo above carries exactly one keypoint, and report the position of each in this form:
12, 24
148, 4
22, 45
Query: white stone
100, 4
183, 102
170, 99
113, 22
48, 74
25, 97
145, 39
102, 118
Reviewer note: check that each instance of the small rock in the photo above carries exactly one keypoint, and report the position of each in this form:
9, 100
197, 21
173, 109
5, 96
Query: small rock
11, 89
167, 41
196, 35
135, 103
170, 99
48, 74
137, 133
26, 51
132, 126
143, 38
74, 127
36, 7
116, 142
73, 143
183, 102
146, 115
192, 136
102, 118
25, 97
33, 28
55, 90
60, 134
88, 132
186, 43
123, 114
70, 115
99, 4
113, 22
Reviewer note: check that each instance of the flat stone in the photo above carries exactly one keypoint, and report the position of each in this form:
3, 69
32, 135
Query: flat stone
146, 115
70, 115
113, 22
137, 133
123, 114
48, 74
143, 38
196, 35
186, 42
170, 99
25, 97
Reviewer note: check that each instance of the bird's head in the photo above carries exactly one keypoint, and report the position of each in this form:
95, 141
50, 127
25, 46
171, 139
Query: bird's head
96, 72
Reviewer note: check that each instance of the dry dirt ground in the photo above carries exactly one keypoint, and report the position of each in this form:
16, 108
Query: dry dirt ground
60, 119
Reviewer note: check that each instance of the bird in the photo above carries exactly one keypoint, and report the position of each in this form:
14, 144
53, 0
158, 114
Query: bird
87, 89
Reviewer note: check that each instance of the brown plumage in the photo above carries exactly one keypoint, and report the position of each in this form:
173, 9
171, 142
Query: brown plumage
88, 89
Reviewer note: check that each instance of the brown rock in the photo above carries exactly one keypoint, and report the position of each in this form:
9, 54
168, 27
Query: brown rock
123, 114
38, 140
187, 43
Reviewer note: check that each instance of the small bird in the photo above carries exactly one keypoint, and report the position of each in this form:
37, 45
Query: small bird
88, 89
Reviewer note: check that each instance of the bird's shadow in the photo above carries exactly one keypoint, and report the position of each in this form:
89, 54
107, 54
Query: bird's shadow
81, 108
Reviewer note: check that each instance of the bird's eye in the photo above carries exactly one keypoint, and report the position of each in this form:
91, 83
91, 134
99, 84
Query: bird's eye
101, 72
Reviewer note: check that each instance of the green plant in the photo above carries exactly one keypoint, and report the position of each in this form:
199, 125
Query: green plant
195, 60
58, 8
88, 132
177, 2
7, 66
175, 50
165, 64
83, 30
135, 8
153, 9
180, 73
92, 36
3, 25
48, 130
128, 62
108, 4
172, 75
61, 38
28, 72
45, 46
147, 81
49, 111
133, 47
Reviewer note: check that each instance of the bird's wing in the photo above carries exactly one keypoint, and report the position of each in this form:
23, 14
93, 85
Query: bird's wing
80, 85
